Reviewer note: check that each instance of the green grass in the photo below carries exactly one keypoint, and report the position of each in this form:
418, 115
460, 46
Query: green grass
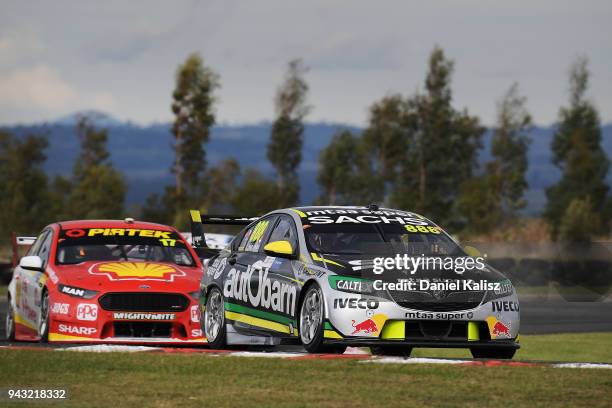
588, 347
203, 380
3, 291
197, 380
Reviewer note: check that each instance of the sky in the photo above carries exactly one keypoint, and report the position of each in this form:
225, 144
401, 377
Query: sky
58, 57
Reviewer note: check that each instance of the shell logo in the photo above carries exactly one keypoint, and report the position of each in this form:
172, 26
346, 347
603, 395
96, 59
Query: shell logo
136, 271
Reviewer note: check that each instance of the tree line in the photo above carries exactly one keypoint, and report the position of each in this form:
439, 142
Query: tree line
418, 152
30, 200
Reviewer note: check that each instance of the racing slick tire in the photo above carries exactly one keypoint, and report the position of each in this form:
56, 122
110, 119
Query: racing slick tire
312, 310
399, 351
10, 322
495, 353
43, 323
214, 320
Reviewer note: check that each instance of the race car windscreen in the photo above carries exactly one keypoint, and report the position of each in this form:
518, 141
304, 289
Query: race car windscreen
358, 239
121, 244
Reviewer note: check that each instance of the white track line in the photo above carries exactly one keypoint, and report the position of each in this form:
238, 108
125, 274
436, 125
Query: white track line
107, 348
583, 365
414, 360
264, 354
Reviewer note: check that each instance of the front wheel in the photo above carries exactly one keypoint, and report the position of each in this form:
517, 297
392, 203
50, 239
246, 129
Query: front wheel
312, 311
495, 353
43, 323
214, 320
10, 322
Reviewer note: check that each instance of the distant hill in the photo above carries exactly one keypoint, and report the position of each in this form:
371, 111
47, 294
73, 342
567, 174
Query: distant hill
144, 153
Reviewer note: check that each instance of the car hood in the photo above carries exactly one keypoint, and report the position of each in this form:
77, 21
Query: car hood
125, 276
362, 266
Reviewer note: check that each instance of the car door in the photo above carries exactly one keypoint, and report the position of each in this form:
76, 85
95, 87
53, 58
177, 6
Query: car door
281, 269
243, 273
27, 292
39, 277
247, 254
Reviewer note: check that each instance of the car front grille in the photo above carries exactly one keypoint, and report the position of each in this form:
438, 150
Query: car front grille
443, 330
439, 306
447, 302
144, 302
142, 329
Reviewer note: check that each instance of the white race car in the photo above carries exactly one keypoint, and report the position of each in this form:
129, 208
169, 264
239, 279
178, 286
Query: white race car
327, 277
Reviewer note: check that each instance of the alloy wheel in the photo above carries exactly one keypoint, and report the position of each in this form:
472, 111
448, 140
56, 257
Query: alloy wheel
214, 315
311, 315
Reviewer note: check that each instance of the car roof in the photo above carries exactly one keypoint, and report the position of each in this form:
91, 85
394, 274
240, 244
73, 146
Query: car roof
112, 224
345, 207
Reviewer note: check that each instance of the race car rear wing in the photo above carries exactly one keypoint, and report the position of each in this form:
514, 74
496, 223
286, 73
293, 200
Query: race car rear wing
198, 220
18, 241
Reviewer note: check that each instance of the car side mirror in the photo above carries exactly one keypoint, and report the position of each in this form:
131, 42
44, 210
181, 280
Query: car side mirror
471, 251
31, 263
281, 249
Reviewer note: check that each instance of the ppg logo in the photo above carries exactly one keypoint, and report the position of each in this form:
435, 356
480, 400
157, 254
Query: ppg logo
87, 311
195, 313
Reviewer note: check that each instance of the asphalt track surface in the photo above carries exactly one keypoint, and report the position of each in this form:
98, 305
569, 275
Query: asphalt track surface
537, 317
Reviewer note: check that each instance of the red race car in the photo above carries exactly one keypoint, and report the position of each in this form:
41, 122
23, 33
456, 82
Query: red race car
107, 282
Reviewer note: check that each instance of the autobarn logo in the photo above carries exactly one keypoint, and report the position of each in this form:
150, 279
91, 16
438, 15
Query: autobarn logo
87, 311
253, 286
355, 303
84, 331
136, 271
143, 316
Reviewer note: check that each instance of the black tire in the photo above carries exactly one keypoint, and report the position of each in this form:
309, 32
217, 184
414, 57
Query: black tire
311, 327
399, 351
495, 353
10, 322
213, 321
43, 324
335, 348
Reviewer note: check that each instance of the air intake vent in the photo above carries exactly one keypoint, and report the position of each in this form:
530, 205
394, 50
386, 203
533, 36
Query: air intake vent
144, 302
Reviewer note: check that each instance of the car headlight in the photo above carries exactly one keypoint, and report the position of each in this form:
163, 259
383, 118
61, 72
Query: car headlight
505, 289
77, 292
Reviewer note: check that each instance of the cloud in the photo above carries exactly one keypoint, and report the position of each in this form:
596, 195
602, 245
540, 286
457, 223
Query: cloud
36, 88
20, 45
41, 93
103, 101
121, 57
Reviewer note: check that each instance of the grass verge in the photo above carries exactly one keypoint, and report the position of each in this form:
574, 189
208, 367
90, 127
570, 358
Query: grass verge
196, 380
587, 347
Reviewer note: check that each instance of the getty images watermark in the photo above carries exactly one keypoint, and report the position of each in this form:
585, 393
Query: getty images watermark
427, 263
422, 263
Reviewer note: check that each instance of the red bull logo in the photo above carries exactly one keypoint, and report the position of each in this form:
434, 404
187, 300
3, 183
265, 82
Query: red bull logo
500, 329
367, 326
497, 328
